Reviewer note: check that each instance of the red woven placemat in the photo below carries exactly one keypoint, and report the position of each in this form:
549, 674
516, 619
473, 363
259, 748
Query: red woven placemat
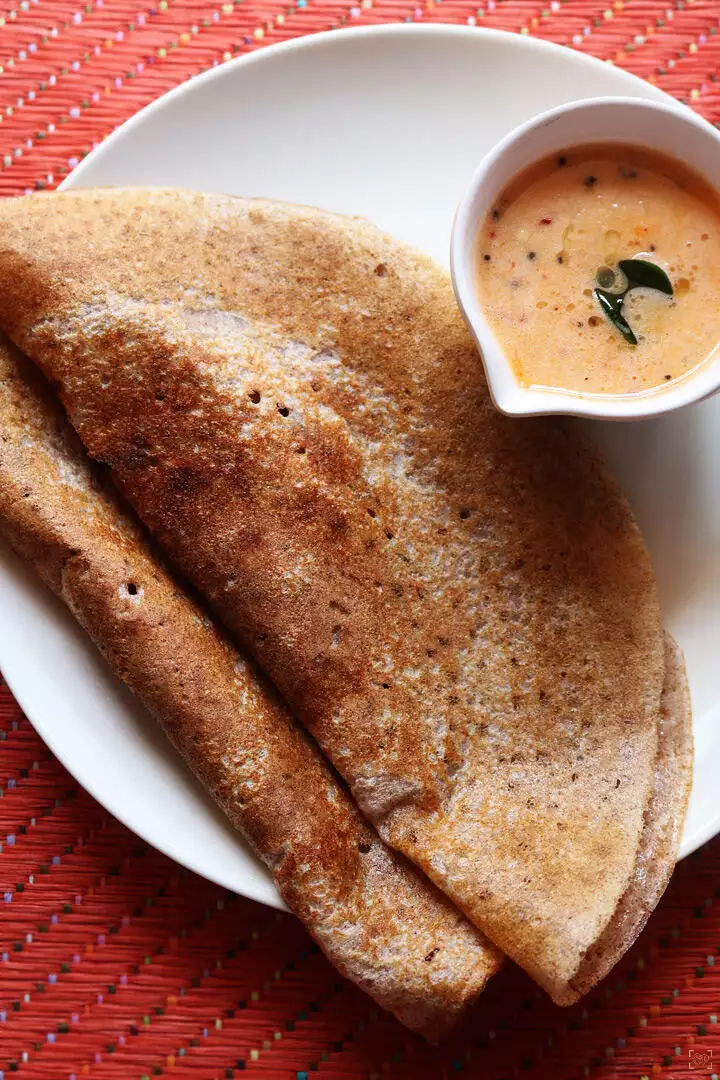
114, 962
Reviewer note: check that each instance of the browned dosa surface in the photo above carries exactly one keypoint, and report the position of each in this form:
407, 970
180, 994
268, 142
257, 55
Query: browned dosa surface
459, 607
662, 831
382, 923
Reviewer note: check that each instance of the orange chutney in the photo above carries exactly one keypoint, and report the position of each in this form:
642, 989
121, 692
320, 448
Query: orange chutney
559, 232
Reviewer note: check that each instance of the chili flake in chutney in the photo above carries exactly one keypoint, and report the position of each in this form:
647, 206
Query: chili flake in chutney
558, 287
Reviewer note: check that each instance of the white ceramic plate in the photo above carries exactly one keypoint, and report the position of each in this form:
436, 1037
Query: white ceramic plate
389, 123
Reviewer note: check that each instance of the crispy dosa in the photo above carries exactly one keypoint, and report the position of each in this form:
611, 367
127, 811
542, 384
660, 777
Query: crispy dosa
662, 831
379, 921
458, 606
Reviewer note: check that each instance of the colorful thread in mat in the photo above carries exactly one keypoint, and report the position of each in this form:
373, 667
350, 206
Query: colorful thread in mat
70, 71
115, 962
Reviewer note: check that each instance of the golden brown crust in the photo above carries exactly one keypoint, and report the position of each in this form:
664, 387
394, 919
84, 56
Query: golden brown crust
378, 920
459, 606
660, 840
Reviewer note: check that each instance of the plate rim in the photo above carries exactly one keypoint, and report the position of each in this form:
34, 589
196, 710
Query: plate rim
254, 892
226, 70
307, 42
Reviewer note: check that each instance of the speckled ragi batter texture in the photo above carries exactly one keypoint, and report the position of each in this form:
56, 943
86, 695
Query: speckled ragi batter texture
458, 606
380, 921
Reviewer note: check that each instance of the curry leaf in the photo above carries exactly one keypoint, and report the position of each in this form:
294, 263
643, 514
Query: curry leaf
640, 272
612, 303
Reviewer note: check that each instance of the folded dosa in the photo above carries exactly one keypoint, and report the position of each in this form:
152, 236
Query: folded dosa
662, 827
380, 922
459, 607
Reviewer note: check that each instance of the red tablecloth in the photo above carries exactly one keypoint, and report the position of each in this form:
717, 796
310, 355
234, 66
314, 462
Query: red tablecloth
114, 962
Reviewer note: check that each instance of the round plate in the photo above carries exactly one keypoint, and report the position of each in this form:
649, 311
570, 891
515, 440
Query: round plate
388, 123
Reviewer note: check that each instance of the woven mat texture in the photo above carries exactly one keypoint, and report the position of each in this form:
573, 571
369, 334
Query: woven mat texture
114, 961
